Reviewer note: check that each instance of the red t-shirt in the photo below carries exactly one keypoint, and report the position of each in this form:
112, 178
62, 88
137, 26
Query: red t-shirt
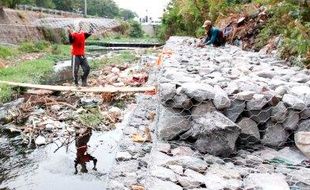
78, 44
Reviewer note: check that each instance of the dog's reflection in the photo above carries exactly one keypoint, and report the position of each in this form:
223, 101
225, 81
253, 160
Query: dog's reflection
81, 140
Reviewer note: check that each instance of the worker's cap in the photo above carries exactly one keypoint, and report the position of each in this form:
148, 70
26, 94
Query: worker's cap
207, 23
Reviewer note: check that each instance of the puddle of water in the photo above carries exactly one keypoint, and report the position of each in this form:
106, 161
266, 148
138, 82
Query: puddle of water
44, 169
49, 170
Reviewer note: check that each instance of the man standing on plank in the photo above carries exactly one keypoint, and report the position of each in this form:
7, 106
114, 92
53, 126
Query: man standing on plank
77, 40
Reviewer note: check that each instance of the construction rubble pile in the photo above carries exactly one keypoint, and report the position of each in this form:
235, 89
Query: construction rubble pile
242, 28
43, 117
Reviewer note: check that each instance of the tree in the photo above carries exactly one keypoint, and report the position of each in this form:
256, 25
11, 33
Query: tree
13, 3
127, 14
103, 8
45, 3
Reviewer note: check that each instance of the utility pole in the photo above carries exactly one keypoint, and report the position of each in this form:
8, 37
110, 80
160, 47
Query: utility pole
85, 8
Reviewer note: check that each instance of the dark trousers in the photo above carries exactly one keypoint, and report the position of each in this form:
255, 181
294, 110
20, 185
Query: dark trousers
76, 61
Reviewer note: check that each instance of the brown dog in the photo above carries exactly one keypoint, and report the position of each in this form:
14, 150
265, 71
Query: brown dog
81, 140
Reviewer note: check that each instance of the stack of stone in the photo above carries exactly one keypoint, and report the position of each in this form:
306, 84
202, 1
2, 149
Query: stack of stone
222, 97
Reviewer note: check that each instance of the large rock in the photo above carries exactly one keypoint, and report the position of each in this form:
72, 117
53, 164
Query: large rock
302, 92
221, 99
157, 184
216, 134
266, 182
7, 109
234, 111
163, 173
220, 177
275, 135
187, 162
201, 109
198, 91
191, 179
291, 120
257, 102
244, 95
302, 141
167, 91
304, 125
260, 116
305, 114
172, 123
279, 113
294, 102
249, 130
180, 101
292, 155
170, 97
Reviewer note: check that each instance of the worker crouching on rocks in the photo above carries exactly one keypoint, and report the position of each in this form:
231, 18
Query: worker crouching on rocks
77, 41
214, 36
82, 157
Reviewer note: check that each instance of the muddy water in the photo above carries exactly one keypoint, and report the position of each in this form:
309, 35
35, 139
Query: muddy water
42, 169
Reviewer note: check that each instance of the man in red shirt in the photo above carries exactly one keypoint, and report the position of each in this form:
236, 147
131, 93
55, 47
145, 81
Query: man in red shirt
77, 40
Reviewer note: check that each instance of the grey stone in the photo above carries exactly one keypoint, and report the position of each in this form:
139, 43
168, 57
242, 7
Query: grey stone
157, 184
163, 147
123, 156
292, 155
90, 102
227, 171
266, 182
279, 113
182, 151
176, 169
210, 159
199, 92
163, 173
305, 114
216, 134
304, 125
303, 92
232, 88
257, 102
244, 95
275, 135
249, 129
260, 116
201, 109
280, 91
40, 140
233, 112
266, 74
302, 141
291, 120
191, 179
167, 91
179, 101
220, 177
172, 123
293, 102
187, 162
221, 99
115, 185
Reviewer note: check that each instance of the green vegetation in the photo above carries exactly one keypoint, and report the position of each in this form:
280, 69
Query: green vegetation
287, 18
102, 8
91, 118
120, 58
31, 71
6, 52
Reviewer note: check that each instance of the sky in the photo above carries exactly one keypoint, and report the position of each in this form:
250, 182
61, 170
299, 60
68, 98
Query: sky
153, 8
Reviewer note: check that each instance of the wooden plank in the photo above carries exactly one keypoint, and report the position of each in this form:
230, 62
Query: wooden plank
81, 89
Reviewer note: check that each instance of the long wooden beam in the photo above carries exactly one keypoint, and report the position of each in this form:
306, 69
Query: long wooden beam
81, 89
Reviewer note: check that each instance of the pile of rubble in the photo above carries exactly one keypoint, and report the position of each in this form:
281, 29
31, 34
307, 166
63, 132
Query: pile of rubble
242, 28
43, 117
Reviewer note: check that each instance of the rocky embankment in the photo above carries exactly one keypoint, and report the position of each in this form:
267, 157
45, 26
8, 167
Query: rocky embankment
225, 119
